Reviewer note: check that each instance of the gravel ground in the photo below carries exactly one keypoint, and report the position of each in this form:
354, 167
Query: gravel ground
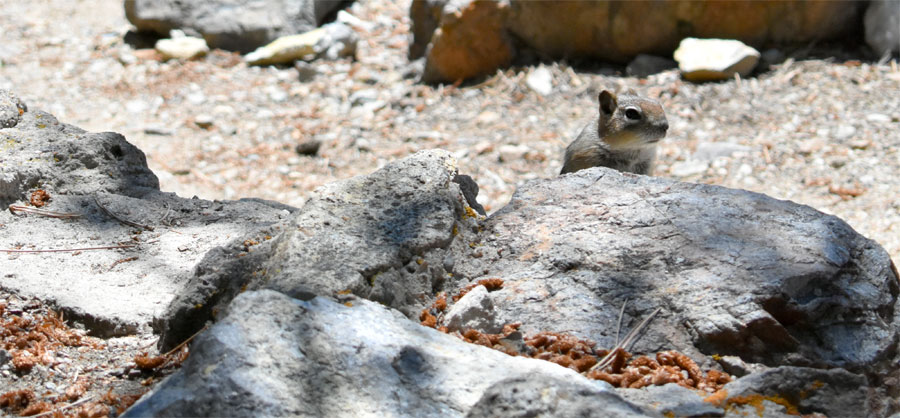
822, 132
44, 365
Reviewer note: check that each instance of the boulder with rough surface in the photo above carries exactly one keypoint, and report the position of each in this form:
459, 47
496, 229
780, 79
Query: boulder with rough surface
125, 249
735, 273
383, 236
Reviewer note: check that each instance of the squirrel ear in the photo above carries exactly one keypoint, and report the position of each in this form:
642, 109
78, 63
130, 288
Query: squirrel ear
607, 102
631, 92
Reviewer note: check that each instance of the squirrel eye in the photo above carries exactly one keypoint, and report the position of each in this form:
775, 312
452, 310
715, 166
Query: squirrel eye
632, 114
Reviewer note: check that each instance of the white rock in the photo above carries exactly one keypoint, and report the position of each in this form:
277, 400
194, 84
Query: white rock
878, 118
714, 59
475, 311
509, 153
845, 131
540, 80
182, 48
136, 106
344, 17
204, 121
332, 41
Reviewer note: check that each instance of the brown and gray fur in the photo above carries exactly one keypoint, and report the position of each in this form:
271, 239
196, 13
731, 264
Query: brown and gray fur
622, 137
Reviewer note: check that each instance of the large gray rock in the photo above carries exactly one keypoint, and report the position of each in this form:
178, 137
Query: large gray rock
882, 22
40, 152
113, 291
239, 25
384, 236
276, 356
736, 273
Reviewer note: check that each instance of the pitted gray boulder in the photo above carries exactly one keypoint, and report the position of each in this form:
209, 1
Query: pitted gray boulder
41, 151
383, 236
735, 272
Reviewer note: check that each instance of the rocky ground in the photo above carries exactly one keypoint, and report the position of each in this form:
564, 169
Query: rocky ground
822, 132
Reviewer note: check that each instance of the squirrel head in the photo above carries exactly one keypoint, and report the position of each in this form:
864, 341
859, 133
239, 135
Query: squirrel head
630, 121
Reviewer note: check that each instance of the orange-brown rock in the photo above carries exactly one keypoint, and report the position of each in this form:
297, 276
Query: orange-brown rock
473, 38
471, 41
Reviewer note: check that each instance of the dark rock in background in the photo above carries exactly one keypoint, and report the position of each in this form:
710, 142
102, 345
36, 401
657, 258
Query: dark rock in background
238, 25
882, 22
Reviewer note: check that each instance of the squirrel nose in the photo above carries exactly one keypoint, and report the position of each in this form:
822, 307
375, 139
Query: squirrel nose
664, 126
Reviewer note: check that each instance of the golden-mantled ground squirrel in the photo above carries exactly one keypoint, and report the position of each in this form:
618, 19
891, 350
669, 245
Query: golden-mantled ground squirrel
622, 137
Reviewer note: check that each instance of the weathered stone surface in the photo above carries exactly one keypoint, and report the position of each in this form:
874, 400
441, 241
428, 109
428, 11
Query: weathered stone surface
714, 59
834, 393
113, 291
367, 233
672, 400
334, 40
545, 396
239, 25
41, 152
275, 356
882, 23
383, 236
11, 109
736, 273
446, 32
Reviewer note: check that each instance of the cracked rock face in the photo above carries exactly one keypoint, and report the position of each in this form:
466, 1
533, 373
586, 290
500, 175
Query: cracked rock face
364, 234
383, 236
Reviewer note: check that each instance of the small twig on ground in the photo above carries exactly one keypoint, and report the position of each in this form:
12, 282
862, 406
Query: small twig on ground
183, 343
629, 339
124, 260
42, 212
112, 247
116, 217
619, 326
78, 402
162, 220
